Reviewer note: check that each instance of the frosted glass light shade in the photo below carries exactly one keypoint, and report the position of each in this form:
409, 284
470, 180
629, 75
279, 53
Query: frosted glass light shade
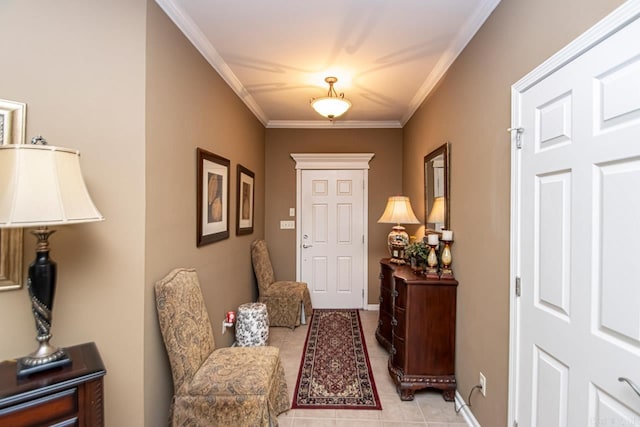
398, 211
42, 185
331, 107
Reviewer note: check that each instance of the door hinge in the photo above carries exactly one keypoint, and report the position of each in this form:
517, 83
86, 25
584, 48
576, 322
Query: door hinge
518, 286
363, 239
362, 293
519, 132
515, 423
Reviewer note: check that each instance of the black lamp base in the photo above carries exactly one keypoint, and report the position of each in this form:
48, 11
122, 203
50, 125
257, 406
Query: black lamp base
25, 365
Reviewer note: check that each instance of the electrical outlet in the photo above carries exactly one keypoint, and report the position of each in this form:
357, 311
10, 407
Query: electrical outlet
483, 384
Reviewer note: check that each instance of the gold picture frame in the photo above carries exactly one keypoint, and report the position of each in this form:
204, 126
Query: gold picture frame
12, 131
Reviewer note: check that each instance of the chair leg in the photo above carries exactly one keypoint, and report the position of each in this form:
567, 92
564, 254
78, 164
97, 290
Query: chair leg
303, 315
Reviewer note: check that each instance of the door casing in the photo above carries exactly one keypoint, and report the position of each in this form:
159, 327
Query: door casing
333, 161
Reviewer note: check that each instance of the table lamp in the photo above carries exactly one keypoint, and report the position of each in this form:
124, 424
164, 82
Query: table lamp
42, 186
398, 211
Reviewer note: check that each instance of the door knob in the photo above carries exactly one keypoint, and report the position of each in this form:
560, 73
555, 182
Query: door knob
633, 386
306, 246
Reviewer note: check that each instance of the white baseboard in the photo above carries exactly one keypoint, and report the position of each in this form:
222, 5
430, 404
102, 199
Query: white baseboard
373, 307
466, 412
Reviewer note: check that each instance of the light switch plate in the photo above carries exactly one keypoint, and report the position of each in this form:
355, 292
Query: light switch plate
287, 225
292, 211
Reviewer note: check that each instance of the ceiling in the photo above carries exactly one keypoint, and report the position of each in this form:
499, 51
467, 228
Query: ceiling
275, 54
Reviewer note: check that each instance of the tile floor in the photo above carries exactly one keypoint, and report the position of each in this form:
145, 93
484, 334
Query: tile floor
427, 409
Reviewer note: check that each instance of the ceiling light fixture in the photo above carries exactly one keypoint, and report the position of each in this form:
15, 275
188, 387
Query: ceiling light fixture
332, 105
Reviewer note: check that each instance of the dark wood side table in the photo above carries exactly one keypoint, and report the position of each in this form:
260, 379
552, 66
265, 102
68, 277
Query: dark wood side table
69, 396
423, 330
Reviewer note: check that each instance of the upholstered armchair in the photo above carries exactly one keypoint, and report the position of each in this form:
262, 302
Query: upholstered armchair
285, 300
239, 386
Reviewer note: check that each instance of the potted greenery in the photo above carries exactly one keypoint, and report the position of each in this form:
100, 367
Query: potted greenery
417, 253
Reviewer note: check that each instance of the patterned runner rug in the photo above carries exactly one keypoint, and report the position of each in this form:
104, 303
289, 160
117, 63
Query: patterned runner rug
335, 372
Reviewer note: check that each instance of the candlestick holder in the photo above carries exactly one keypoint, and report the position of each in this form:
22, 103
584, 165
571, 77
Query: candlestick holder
446, 272
432, 262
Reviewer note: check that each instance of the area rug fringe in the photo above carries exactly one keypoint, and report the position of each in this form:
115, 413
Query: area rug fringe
335, 372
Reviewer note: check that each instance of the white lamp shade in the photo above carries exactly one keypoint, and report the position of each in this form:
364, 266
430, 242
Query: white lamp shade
436, 216
42, 185
331, 107
398, 211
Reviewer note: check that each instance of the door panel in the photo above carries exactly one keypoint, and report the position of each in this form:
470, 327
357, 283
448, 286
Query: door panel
332, 217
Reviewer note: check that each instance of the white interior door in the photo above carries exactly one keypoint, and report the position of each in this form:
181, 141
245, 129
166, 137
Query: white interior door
578, 239
332, 218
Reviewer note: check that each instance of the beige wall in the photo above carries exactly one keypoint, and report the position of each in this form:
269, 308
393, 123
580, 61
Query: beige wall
119, 82
79, 66
385, 176
471, 108
189, 106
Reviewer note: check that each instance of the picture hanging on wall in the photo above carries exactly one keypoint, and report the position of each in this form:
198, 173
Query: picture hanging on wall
245, 189
212, 198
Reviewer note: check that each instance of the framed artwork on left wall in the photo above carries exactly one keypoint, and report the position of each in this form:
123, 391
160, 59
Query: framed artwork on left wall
212, 198
245, 190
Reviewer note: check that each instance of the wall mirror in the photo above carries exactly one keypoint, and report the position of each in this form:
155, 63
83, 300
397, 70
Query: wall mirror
12, 130
436, 188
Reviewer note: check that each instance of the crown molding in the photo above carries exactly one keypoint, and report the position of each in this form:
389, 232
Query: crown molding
456, 47
326, 124
206, 49
198, 39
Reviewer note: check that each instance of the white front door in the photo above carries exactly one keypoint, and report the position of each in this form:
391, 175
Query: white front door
577, 321
332, 236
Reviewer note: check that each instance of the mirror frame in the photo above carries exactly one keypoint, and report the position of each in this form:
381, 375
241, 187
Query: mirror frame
13, 115
443, 150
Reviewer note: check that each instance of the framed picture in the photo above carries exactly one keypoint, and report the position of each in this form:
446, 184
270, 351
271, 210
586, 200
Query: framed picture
212, 198
245, 189
12, 131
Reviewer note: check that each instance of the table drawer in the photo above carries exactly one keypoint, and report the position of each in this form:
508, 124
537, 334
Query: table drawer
398, 322
397, 352
400, 294
58, 407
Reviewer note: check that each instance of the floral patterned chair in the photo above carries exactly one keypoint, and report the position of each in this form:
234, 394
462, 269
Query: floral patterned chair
285, 300
214, 387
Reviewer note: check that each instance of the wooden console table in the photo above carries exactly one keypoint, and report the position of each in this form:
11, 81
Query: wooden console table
69, 396
422, 330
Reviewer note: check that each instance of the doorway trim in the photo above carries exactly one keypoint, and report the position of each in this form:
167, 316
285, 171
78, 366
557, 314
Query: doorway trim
602, 30
334, 161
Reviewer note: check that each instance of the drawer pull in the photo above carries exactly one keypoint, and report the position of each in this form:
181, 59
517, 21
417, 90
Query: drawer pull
394, 322
380, 276
380, 322
381, 299
395, 293
393, 350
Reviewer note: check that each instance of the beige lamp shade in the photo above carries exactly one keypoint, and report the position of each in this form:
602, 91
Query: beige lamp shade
42, 185
398, 211
436, 216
